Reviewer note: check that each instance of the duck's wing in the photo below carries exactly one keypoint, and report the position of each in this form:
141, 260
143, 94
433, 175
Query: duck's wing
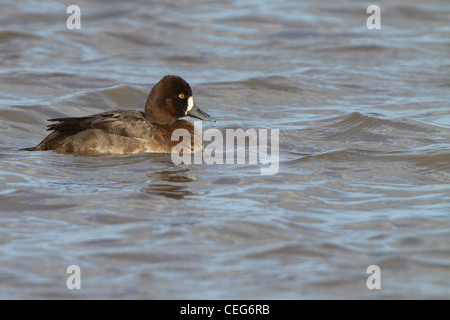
126, 123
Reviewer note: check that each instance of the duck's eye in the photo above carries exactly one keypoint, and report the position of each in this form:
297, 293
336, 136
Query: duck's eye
181, 96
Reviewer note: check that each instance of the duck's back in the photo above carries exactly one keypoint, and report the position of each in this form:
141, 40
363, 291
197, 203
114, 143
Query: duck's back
114, 132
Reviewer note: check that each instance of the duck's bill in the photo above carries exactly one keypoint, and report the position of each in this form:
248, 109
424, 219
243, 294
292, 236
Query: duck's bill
195, 112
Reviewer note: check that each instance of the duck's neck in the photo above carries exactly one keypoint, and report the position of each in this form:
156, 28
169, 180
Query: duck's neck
159, 116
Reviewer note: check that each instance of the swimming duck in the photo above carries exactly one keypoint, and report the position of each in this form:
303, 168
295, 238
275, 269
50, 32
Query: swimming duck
129, 131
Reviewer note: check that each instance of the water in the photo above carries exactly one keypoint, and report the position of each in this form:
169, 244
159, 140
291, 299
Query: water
364, 151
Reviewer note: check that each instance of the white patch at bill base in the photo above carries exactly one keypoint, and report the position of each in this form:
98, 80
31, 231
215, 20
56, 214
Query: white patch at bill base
190, 104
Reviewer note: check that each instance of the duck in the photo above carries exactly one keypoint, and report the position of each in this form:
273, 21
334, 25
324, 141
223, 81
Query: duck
120, 132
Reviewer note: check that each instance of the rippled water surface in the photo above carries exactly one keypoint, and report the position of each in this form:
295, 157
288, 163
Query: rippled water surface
364, 143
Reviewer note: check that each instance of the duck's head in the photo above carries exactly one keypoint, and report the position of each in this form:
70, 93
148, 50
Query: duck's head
170, 99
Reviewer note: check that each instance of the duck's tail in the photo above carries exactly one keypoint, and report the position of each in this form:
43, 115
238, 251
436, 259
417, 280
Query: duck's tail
37, 148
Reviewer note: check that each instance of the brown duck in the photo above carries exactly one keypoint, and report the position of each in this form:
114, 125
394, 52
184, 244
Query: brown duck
129, 131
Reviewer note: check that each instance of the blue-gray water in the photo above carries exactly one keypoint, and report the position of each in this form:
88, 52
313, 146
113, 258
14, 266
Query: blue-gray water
363, 179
